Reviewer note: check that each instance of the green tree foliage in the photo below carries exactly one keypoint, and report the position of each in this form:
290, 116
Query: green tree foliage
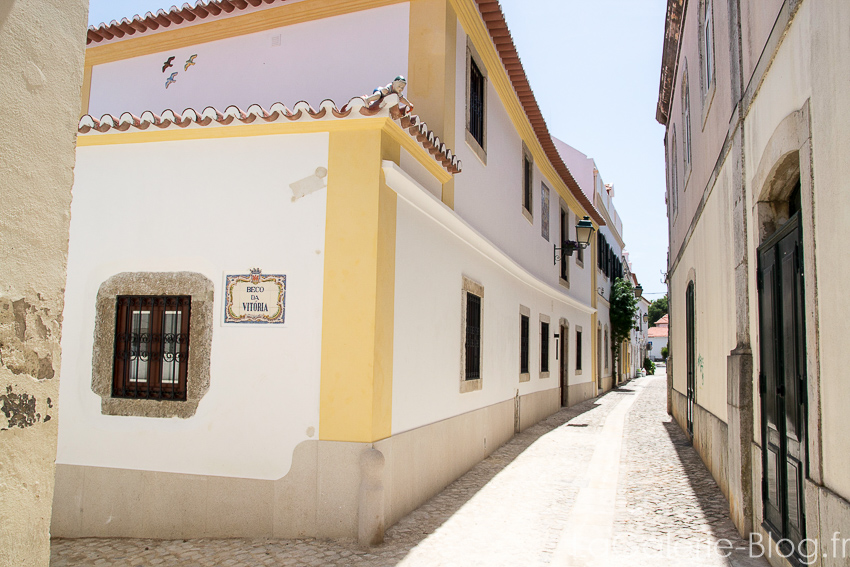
624, 307
657, 310
649, 366
665, 352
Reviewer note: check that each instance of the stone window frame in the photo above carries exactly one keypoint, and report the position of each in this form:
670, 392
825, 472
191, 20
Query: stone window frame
674, 179
707, 56
201, 322
475, 288
524, 312
545, 319
479, 150
687, 139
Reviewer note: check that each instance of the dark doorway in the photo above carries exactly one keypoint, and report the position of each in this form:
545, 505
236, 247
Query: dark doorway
782, 382
690, 323
564, 369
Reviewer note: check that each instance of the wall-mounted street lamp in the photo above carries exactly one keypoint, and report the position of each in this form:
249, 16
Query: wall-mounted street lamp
584, 232
638, 291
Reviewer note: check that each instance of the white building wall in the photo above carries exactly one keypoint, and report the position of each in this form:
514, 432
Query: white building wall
433, 254
489, 196
338, 58
232, 203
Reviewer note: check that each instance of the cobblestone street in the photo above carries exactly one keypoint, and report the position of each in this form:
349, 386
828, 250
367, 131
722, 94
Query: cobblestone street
611, 481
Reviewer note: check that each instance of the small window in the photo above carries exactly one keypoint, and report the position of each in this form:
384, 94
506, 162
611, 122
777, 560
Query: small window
605, 352
527, 182
544, 212
686, 120
473, 337
544, 347
523, 344
471, 374
476, 102
151, 347
565, 265
578, 350
708, 42
674, 178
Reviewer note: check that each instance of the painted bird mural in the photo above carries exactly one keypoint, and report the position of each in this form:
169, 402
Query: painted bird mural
171, 79
189, 62
168, 63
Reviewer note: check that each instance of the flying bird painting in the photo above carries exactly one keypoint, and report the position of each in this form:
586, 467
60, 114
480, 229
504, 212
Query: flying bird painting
171, 79
168, 63
189, 62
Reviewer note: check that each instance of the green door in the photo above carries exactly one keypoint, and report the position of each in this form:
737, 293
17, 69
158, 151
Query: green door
782, 382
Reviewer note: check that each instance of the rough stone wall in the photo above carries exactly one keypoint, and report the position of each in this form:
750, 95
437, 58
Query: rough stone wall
42, 45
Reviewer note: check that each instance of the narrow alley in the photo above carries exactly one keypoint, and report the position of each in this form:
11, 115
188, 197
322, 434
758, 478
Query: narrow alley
611, 481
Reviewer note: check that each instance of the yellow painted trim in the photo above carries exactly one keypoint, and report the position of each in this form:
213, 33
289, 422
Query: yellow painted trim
223, 28
421, 154
594, 298
594, 346
359, 282
386, 125
432, 71
85, 93
470, 19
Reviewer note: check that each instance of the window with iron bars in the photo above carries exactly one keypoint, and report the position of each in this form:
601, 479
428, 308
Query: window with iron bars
523, 344
544, 346
476, 102
473, 337
151, 347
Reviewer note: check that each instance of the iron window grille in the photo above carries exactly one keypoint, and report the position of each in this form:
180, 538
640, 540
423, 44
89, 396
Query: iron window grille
523, 344
476, 103
544, 347
473, 337
151, 347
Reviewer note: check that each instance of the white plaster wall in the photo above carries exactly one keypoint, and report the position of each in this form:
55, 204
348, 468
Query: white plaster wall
333, 58
709, 255
581, 167
489, 197
430, 264
710, 117
831, 141
657, 344
208, 206
804, 67
757, 18
417, 171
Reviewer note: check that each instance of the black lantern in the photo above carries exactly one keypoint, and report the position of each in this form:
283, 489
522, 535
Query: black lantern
584, 232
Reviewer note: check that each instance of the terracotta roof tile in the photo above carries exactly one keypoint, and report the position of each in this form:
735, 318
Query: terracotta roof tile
328, 110
657, 332
494, 19
152, 21
669, 57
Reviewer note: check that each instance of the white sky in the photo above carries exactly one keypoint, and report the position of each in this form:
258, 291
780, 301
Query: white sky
594, 67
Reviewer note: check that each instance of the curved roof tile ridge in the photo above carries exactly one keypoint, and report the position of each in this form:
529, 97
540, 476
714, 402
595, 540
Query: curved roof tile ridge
494, 19
201, 9
277, 112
